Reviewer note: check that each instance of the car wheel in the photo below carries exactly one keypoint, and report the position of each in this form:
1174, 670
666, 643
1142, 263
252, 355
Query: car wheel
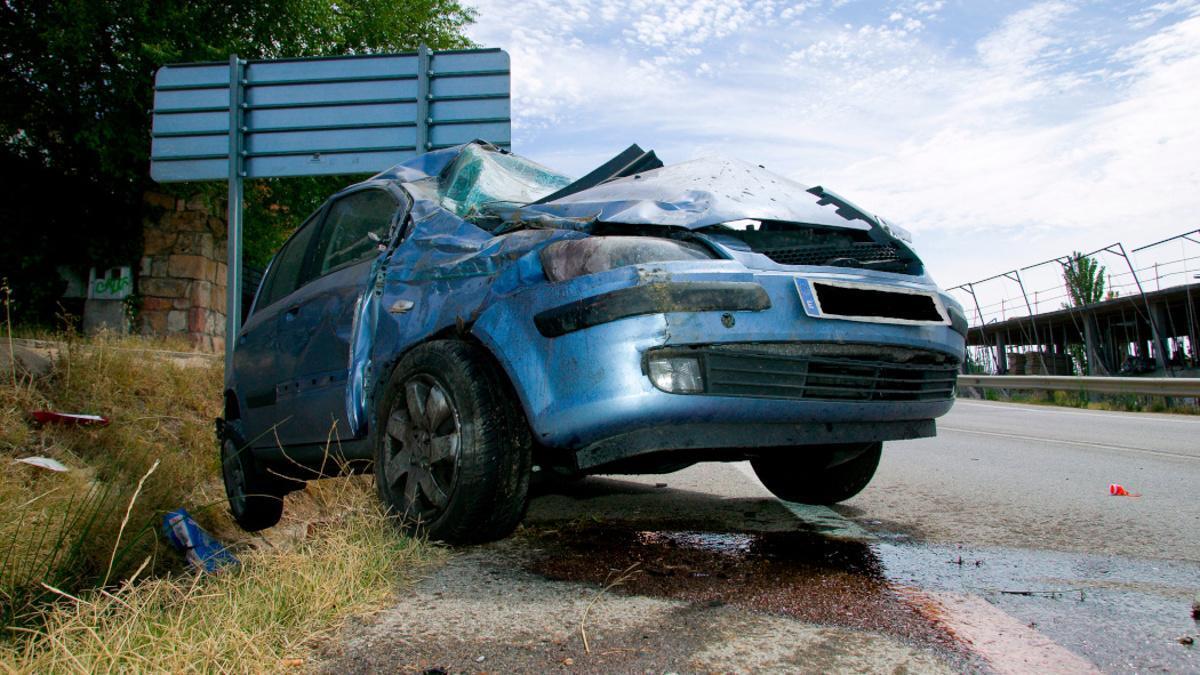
255, 500
818, 475
453, 452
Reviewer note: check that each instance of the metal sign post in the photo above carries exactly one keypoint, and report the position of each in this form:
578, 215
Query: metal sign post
233, 233
318, 116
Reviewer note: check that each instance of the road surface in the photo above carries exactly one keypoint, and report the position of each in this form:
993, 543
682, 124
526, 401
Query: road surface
993, 547
1038, 476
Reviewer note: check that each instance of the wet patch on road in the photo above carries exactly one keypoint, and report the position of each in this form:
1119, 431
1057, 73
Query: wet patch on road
484, 612
800, 574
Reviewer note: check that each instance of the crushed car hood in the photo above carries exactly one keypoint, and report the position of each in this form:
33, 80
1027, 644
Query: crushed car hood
696, 194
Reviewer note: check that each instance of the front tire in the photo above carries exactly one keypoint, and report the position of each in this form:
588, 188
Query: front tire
453, 452
818, 475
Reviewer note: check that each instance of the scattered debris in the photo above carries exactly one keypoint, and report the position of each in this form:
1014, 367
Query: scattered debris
1196, 607
201, 550
480, 659
660, 485
1118, 490
77, 419
568, 661
43, 463
1046, 594
1187, 640
291, 663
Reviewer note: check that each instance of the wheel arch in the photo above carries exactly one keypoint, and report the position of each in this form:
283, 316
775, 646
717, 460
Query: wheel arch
232, 409
461, 334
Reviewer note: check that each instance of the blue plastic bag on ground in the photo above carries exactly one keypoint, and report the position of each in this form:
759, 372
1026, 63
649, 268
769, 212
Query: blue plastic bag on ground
201, 550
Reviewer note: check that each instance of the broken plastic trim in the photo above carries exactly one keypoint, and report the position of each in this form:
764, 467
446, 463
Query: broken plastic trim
631, 161
655, 298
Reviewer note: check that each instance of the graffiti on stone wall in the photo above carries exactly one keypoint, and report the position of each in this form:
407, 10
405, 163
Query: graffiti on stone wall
116, 283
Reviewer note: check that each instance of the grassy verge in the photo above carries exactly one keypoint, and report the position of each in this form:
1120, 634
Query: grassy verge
86, 584
65, 529
263, 615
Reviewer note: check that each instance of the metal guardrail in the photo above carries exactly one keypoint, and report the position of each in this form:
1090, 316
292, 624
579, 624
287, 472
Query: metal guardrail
1155, 386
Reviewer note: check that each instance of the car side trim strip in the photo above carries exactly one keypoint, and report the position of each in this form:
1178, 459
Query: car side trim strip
653, 298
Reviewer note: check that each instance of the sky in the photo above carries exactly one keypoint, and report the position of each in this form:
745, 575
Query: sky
999, 133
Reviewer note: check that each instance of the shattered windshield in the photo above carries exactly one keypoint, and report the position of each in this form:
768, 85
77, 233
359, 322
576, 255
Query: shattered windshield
479, 178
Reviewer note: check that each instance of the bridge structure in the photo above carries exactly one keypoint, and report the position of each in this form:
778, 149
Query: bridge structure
1148, 323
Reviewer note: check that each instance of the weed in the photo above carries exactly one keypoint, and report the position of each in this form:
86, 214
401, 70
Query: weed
1091, 401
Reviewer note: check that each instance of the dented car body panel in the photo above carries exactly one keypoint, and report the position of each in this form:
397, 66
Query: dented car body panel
578, 337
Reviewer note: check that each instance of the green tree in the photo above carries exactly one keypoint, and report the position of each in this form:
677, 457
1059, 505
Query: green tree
75, 93
1084, 278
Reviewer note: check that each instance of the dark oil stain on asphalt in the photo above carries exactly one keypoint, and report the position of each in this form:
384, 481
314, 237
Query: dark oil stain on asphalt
802, 574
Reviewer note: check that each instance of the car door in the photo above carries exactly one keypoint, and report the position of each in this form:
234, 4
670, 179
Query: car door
255, 359
315, 327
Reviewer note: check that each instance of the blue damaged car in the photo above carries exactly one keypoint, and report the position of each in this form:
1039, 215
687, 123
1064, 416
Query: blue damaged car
468, 320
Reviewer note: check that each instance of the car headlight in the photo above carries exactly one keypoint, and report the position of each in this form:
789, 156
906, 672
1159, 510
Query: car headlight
572, 258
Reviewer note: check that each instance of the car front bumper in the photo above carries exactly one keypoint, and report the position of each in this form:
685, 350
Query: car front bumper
583, 382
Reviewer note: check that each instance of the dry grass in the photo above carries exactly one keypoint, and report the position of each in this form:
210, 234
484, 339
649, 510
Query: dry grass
266, 614
63, 534
61, 529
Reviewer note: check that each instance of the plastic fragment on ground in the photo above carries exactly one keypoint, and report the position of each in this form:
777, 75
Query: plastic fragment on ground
197, 546
1118, 490
43, 463
78, 419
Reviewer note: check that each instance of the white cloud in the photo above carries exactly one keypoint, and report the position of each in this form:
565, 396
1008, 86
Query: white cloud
1159, 10
1052, 131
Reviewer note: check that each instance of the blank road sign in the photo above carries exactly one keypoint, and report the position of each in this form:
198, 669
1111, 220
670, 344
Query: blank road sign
320, 116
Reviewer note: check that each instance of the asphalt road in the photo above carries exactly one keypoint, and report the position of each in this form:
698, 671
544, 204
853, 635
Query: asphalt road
1019, 475
1025, 489
993, 547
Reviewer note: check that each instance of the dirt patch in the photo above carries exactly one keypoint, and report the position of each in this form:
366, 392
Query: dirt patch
800, 575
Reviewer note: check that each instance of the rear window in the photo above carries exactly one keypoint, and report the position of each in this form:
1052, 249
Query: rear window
354, 228
285, 273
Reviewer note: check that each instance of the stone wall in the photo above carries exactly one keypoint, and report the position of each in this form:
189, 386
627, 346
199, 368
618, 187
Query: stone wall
182, 274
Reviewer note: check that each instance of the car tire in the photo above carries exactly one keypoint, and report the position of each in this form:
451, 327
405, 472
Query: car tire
255, 499
818, 475
460, 473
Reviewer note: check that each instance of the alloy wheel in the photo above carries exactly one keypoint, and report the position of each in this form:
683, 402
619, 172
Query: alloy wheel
423, 438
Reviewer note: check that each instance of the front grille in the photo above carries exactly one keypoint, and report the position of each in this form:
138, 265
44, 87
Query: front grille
864, 253
823, 378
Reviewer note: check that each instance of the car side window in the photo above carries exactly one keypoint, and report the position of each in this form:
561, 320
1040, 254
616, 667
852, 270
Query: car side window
356, 225
286, 271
